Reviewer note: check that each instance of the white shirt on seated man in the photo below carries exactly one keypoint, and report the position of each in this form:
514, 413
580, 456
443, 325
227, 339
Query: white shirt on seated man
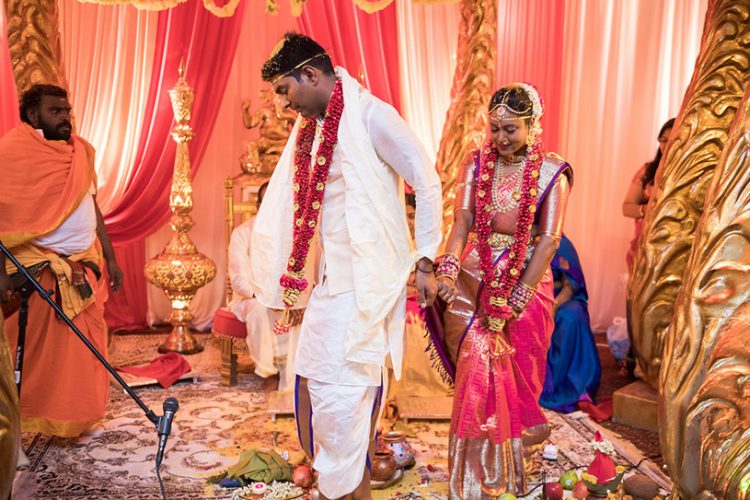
272, 354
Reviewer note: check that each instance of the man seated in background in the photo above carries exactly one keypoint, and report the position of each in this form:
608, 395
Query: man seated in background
272, 354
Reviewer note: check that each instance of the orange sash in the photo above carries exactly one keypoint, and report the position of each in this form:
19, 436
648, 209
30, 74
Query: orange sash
43, 182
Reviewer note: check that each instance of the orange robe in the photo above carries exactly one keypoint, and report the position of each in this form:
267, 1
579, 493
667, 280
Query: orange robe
64, 389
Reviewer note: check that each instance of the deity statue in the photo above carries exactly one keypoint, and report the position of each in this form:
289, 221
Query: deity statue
274, 123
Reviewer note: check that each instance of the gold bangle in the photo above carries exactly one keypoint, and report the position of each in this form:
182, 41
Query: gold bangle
443, 275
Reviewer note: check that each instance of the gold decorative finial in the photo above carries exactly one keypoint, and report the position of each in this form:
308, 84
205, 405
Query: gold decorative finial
180, 270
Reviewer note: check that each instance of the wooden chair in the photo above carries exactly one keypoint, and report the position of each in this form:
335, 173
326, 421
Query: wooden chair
226, 325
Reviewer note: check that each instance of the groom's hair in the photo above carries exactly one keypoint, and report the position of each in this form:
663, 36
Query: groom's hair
292, 53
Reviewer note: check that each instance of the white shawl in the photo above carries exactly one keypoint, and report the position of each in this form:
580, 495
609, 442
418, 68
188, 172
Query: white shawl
377, 227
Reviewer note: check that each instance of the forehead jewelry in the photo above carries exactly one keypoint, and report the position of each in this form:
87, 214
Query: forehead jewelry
502, 112
282, 75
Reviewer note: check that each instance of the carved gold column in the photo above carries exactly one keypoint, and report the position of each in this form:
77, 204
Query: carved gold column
34, 43
697, 139
704, 402
180, 270
10, 418
466, 121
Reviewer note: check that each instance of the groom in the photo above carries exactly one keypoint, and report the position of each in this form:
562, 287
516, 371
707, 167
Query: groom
337, 191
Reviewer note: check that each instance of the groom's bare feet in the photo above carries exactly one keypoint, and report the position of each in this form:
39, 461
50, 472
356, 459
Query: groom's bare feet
271, 383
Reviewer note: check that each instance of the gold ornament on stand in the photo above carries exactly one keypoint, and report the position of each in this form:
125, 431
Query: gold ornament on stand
180, 270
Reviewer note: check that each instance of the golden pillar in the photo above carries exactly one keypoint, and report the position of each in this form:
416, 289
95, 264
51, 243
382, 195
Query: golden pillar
466, 121
34, 43
180, 270
10, 417
704, 402
698, 137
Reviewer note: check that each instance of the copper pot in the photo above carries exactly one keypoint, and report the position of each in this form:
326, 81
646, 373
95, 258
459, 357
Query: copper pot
383, 465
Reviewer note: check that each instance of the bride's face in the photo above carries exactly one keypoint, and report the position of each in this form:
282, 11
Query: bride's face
509, 135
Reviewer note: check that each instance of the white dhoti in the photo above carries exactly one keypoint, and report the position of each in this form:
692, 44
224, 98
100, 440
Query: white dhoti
337, 402
342, 420
271, 353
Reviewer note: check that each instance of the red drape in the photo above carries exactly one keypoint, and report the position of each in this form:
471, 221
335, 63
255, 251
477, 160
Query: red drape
8, 97
364, 44
530, 50
207, 43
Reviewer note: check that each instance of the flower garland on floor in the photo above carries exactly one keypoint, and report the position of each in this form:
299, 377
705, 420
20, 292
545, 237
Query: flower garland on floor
308, 198
495, 296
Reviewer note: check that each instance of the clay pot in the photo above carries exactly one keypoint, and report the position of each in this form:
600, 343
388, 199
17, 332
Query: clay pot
383, 465
402, 450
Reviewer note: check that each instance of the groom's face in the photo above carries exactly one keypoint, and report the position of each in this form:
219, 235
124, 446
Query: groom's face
301, 92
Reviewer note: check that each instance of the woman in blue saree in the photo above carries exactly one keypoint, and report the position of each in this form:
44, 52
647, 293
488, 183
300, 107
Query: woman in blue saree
573, 367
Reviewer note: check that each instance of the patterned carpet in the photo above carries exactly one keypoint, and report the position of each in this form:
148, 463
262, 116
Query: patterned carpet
214, 424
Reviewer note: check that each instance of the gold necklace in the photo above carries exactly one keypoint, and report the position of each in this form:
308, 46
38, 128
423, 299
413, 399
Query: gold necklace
506, 187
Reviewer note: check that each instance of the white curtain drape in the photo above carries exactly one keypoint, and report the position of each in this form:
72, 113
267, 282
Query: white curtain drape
108, 56
427, 40
626, 66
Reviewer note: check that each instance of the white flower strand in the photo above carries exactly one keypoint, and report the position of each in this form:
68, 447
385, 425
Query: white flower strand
603, 447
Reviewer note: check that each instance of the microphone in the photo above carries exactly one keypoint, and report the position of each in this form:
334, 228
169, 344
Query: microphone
164, 427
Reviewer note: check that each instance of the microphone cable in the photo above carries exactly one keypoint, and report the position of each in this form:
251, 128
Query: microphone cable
161, 483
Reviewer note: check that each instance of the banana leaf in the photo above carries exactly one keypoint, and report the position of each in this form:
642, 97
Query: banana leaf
257, 465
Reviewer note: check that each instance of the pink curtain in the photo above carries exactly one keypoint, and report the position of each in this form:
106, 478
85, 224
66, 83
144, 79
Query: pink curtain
626, 66
364, 44
529, 50
207, 44
8, 96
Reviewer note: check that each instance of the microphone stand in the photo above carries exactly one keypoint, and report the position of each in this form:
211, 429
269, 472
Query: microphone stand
25, 294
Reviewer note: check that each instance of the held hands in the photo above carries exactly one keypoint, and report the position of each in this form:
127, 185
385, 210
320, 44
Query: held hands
426, 283
115, 275
446, 289
447, 272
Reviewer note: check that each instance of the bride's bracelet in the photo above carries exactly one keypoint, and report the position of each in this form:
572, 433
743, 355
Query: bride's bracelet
448, 267
520, 296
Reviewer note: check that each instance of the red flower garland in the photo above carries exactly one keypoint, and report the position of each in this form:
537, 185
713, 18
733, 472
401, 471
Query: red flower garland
496, 291
308, 197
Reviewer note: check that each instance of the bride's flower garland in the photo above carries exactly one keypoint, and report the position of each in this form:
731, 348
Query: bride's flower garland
497, 291
308, 198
